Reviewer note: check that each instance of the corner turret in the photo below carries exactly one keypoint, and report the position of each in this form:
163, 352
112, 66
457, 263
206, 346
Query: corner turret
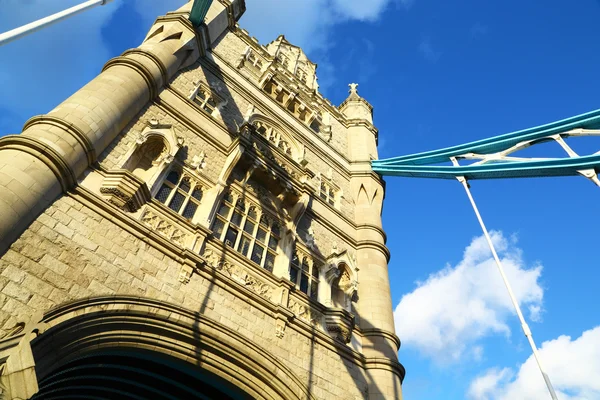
362, 135
355, 107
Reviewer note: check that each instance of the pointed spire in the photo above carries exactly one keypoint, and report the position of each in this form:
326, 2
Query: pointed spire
356, 107
353, 92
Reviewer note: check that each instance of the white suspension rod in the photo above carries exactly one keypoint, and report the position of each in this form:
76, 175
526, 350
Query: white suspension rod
17, 33
524, 325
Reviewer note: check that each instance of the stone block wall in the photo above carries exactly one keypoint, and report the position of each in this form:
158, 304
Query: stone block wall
72, 252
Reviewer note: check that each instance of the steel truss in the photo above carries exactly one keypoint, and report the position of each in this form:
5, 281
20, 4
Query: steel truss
491, 158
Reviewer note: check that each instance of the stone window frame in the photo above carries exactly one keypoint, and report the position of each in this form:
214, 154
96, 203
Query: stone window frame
155, 131
329, 192
307, 114
211, 108
192, 197
274, 134
304, 273
254, 59
237, 223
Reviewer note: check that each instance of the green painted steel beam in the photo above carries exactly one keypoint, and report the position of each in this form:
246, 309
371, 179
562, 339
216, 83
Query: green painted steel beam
199, 10
420, 164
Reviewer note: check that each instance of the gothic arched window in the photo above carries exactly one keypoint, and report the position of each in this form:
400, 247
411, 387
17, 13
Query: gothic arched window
273, 136
304, 274
248, 229
180, 193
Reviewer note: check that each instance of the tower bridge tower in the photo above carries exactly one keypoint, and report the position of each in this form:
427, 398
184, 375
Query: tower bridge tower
198, 221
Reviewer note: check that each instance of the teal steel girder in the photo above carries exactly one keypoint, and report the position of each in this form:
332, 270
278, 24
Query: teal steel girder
419, 165
199, 11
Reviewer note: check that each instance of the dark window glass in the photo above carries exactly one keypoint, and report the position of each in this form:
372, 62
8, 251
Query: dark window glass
304, 265
263, 220
185, 185
224, 210
315, 126
236, 218
230, 236
304, 283
190, 210
163, 193
177, 202
275, 229
293, 274
269, 262
261, 234
257, 253
273, 243
249, 227
197, 194
173, 177
245, 243
315, 272
218, 228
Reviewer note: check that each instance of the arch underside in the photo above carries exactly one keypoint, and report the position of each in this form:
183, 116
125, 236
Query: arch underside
119, 347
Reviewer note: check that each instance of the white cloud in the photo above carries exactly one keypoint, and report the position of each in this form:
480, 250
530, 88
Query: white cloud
306, 23
47, 66
573, 367
309, 24
446, 316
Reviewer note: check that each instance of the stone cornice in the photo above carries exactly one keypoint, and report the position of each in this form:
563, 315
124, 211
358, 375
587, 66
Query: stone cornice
154, 58
372, 244
138, 67
373, 227
68, 127
387, 365
383, 333
46, 154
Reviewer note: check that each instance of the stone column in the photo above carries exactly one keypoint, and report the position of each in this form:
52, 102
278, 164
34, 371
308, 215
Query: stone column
374, 306
54, 150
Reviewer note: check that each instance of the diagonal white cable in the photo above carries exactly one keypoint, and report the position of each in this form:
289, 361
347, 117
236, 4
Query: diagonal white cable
19, 32
524, 325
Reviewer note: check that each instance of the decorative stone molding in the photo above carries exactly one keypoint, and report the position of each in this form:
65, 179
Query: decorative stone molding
305, 312
280, 325
340, 324
164, 227
238, 274
124, 190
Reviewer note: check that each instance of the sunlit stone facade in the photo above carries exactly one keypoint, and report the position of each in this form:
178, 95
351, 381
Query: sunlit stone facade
197, 220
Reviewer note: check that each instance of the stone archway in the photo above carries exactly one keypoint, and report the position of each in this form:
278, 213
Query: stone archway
123, 373
112, 343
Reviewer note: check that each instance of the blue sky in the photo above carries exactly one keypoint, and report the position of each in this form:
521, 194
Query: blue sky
438, 73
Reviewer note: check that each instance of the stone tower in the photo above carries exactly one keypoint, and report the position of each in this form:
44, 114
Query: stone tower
196, 222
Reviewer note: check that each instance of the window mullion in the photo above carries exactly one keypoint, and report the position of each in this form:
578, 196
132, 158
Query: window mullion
241, 232
171, 194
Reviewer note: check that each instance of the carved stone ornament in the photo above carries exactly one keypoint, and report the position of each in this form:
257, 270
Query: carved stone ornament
310, 240
164, 227
280, 325
124, 190
239, 274
305, 312
199, 161
339, 324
